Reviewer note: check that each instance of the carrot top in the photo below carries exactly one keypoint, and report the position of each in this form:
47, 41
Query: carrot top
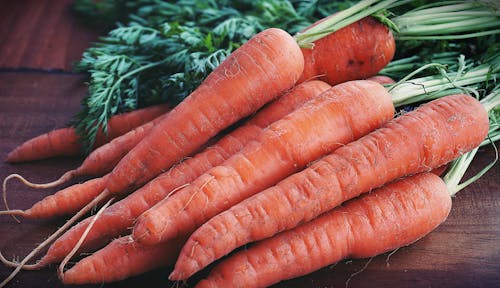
435, 21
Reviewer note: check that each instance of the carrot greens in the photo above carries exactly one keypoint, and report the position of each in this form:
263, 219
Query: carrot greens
160, 51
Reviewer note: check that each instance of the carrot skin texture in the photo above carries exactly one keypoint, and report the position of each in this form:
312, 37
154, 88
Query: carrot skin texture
126, 259
393, 216
382, 79
357, 51
104, 159
66, 201
260, 70
418, 141
320, 126
119, 217
65, 141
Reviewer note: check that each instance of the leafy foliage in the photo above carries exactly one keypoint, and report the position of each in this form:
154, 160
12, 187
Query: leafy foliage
167, 48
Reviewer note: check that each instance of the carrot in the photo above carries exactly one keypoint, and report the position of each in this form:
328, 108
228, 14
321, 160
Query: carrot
100, 161
382, 79
128, 258
395, 215
261, 69
64, 202
65, 141
339, 115
357, 51
119, 217
418, 141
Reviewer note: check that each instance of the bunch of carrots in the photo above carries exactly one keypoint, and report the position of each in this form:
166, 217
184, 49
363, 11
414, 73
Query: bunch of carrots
318, 168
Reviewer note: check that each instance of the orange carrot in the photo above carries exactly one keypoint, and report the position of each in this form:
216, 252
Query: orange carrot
418, 141
347, 55
382, 79
65, 141
260, 70
393, 216
128, 258
336, 117
100, 161
63, 202
119, 217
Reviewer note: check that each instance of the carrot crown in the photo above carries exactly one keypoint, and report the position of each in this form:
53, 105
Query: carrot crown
466, 79
436, 21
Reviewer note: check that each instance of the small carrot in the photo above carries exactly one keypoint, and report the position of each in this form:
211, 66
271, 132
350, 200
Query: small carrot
128, 258
65, 141
418, 141
254, 74
100, 161
64, 202
336, 117
395, 215
119, 217
357, 51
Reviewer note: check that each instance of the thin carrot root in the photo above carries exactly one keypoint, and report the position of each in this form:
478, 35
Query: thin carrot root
22, 265
60, 270
16, 212
63, 179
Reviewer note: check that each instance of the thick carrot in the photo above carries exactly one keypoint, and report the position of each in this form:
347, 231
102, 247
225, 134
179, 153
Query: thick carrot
121, 259
418, 141
393, 216
357, 51
257, 72
65, 141
336, 117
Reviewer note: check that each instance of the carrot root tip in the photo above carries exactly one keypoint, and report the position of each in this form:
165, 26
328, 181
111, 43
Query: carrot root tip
60, 270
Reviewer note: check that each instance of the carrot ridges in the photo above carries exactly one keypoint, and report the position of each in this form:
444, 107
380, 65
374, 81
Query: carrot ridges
121, 215
260, 70
318, 127
418, 141
395, 215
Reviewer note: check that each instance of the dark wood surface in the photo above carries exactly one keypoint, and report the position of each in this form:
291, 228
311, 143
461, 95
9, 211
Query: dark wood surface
38, 92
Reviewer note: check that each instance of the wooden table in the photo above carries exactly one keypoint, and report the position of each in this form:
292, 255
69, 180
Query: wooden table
39, 41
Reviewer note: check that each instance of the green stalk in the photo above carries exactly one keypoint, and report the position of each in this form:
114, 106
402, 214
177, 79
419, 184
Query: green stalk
331, 24
493, 137
448, 21
431, 87
439, 21
492, 101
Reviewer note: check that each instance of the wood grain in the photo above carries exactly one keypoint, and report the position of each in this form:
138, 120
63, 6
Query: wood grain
45, 36
41, 34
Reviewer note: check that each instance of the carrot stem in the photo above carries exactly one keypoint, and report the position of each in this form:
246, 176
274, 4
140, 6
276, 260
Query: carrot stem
427, 88
439, 21
348, 16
